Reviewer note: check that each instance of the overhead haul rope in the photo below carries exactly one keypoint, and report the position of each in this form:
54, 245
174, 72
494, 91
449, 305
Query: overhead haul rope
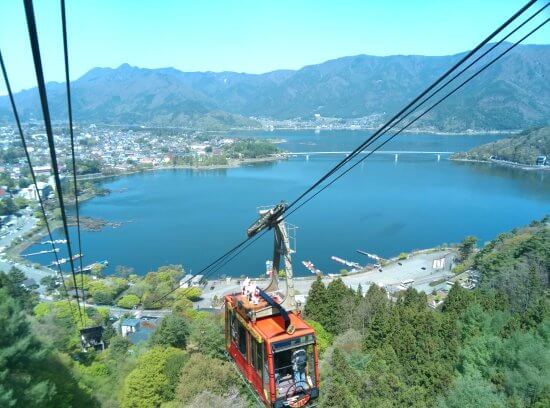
217, 268
33, 35
33, 178
237, 249
71, 133
415, 108
422, 115
389, 124
414, 101
225, 262
228, 256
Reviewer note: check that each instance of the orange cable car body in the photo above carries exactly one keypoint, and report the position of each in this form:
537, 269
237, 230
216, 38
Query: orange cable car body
265, 335
263, 349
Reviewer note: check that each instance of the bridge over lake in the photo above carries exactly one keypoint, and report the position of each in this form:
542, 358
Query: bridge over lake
395, 153
366, 152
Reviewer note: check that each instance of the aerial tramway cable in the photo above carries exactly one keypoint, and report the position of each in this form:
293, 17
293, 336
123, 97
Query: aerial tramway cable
409, 109
423, 114
361, 147
410, 104
415, 108
33, 35
215, 264
33, 177
71, 133
406, 126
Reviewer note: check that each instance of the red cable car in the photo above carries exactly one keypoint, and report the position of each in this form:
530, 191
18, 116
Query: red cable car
270, 343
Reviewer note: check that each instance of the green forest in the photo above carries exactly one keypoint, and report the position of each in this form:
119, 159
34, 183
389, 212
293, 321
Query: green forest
523, 148
250, 149
487, 347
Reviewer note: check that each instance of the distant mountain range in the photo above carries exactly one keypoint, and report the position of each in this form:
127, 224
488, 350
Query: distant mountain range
513, 94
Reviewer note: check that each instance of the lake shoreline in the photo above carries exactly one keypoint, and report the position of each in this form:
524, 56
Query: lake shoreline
354, 129
233, 165
16, 251
182, 216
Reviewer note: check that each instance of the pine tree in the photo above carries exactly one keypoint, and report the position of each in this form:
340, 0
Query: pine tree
18, 349
343, 371
458, 300
315, 307
466, 247
13, 283
338, 297
31, 375
19, 354
337, 395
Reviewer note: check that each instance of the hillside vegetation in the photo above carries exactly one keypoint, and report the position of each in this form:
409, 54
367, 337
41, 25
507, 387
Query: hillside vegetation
488, 347
485, 348
523, 148
512, 94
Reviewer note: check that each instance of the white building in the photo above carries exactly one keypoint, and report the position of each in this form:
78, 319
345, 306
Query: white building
129, 326
185, 282
30, 192
197, 280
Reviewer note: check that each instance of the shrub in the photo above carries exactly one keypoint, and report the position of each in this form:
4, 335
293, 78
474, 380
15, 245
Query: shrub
172, 331
202, 374
102, 297
324, 338
146, 384
128, 301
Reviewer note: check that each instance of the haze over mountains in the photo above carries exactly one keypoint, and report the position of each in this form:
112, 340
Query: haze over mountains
512, 94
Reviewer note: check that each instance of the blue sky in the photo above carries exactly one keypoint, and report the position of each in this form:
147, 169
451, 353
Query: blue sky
245, 35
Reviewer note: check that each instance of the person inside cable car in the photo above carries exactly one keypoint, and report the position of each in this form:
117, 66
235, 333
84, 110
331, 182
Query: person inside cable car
299, 364
291, 371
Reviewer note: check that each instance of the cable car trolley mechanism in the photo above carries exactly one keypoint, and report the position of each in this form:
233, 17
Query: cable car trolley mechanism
270, 343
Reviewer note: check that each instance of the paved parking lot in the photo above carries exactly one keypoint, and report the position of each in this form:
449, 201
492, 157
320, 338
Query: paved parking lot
392, 274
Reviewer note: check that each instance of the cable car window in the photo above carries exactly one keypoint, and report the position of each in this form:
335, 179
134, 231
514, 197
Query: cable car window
238, 335
292, 343
234, 329
294, 365
241, 339
257, 356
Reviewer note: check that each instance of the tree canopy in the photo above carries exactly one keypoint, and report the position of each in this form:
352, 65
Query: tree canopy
486, 347
145, 386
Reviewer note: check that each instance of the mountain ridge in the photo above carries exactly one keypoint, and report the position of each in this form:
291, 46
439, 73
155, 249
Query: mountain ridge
513, 94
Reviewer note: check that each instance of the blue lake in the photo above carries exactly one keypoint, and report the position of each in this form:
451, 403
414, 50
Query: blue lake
385, 207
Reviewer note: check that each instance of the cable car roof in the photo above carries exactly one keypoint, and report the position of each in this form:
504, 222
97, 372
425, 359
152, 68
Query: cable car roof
274, 326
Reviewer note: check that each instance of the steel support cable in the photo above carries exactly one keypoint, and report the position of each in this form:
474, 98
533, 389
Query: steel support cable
415, 108
422, 115
251, 242
412, 103
214, 266
248, 242
33, 177
373, 137
35, 47
409, 124
495, 45
71, 133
